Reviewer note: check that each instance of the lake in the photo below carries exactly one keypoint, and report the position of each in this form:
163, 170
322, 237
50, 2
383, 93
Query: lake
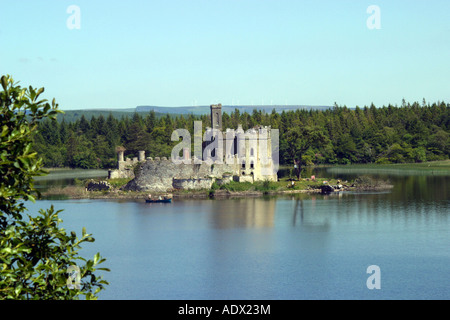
307, 246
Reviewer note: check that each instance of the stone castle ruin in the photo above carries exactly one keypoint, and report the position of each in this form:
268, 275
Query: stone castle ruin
228, 156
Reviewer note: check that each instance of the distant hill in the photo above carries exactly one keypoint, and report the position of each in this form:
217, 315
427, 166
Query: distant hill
73, 115
227, 109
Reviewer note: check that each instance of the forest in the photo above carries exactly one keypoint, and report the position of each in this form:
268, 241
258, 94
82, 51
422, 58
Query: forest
390, 134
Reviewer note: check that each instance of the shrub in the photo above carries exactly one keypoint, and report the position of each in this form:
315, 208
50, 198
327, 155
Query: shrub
35, 254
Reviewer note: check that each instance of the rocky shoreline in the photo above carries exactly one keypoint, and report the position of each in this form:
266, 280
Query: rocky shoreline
105, 190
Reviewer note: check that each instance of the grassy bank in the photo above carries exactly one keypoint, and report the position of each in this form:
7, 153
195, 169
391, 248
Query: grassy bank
429, 168
433, 165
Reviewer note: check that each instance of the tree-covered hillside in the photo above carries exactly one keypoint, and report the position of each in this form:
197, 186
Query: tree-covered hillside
409, 133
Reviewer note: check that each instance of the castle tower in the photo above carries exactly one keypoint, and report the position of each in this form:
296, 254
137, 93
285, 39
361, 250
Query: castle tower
120, 157
216, 116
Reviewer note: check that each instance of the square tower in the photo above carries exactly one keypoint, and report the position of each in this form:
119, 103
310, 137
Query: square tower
216, 116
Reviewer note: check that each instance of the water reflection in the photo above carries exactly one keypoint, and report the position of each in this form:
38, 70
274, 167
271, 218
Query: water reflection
286, 247
244, 213
309, 218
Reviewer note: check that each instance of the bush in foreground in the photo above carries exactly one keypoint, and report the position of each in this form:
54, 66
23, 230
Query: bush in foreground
38, 259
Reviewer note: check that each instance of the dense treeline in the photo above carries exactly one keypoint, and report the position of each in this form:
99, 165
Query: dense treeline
410, 133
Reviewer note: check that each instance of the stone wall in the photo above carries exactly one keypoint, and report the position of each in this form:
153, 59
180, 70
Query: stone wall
193, 184
162, 175
125, 173
93, 185
125, 167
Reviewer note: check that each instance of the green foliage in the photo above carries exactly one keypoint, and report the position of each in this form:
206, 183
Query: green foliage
266, 186
215, 186
35, 254
237, 186
20, 112
300, 139
383, 160
118, 182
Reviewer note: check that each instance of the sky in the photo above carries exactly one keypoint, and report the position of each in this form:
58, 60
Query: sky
122, 54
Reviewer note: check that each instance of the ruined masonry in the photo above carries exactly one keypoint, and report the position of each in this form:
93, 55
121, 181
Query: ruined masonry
163, 175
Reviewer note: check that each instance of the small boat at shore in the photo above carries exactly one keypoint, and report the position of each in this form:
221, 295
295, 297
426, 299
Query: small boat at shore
158, 200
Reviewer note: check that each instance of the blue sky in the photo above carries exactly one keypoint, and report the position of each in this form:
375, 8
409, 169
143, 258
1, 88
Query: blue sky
247, 52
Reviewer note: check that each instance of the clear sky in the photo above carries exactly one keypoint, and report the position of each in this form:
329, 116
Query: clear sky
248, 52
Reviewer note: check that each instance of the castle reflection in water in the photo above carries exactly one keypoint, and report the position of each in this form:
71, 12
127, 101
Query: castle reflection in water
259, 212
245, 213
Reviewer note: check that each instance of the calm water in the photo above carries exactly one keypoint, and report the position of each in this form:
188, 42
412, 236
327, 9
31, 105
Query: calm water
301, 247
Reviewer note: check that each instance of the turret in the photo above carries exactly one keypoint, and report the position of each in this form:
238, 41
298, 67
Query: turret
216, 116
